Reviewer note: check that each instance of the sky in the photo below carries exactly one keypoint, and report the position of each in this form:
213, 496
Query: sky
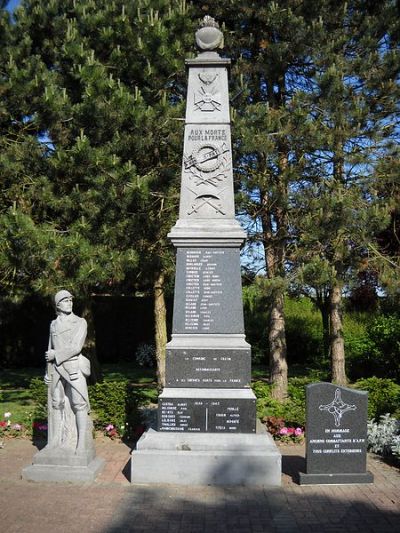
12, 4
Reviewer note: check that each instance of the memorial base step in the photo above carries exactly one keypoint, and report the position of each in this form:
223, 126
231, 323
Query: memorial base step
201, 459
335, 479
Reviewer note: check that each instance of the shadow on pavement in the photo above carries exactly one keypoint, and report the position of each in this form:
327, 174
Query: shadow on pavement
127, 470
292, 465
163, 508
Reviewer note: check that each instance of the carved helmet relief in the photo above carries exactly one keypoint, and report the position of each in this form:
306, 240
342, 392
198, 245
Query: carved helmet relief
207, 98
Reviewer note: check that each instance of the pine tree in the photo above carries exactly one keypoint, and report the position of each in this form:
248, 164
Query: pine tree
354, 106
271, 45
316, 111
96, 90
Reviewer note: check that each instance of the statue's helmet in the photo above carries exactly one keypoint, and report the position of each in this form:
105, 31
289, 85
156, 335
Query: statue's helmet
61, 295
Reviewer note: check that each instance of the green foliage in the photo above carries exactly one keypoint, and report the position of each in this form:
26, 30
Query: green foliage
255, 308
295, 412
373, 345
292, 410
383, 396
385, 335
145, 355
395, 446
89, 143
115, 403
38, 391
266, 405
358, 344
304, 335
384, 436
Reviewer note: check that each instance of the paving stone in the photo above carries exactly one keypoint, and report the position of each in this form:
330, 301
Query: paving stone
112, 505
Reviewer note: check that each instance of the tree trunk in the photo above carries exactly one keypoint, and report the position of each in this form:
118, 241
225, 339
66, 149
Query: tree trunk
337, 341
323, 304
90, 344
326, 330
277, 344
160, 318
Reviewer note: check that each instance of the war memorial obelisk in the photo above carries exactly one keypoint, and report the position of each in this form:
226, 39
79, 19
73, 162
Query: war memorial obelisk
207, 429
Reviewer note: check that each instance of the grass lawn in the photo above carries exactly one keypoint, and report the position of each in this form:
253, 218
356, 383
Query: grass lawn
18, 378
134, 373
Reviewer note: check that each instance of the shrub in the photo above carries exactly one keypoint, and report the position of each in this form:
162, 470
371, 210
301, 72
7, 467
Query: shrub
372, 345
383, 396
274, 424
395, 446
266, 405
358, 345
115, 406
145, 355
304, 333
383, 436
292, 411
38, 391
278, 429
255, 308
385, 334
295, 405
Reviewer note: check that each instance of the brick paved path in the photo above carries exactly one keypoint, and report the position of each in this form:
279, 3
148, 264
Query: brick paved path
112, 505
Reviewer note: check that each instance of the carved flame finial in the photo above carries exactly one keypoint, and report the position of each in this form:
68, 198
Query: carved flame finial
209, 37
209, 22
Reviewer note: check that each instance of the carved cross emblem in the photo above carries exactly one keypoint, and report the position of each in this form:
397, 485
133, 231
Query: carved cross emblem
337, 407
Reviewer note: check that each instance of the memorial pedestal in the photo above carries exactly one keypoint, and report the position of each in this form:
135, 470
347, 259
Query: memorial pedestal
207, 412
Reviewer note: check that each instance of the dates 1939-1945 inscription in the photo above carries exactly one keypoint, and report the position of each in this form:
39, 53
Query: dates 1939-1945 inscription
206, 415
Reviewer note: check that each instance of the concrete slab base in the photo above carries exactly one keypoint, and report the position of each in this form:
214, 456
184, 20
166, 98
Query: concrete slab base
335, 479
51, 465
207, 459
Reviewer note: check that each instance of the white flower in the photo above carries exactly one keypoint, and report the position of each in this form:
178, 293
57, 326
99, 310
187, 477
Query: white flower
7, 415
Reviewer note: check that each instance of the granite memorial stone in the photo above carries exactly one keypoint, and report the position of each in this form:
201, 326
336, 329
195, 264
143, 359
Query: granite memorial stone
69, 454
208, 361
336, 435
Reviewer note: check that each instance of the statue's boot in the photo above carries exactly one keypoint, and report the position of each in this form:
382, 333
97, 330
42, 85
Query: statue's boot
81, 425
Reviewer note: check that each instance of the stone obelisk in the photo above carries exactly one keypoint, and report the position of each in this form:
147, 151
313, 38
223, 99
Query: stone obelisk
207, 431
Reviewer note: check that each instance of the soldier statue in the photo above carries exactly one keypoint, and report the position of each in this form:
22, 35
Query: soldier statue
66, 373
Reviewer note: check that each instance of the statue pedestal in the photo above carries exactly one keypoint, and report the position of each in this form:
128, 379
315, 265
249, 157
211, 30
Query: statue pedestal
56, 464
